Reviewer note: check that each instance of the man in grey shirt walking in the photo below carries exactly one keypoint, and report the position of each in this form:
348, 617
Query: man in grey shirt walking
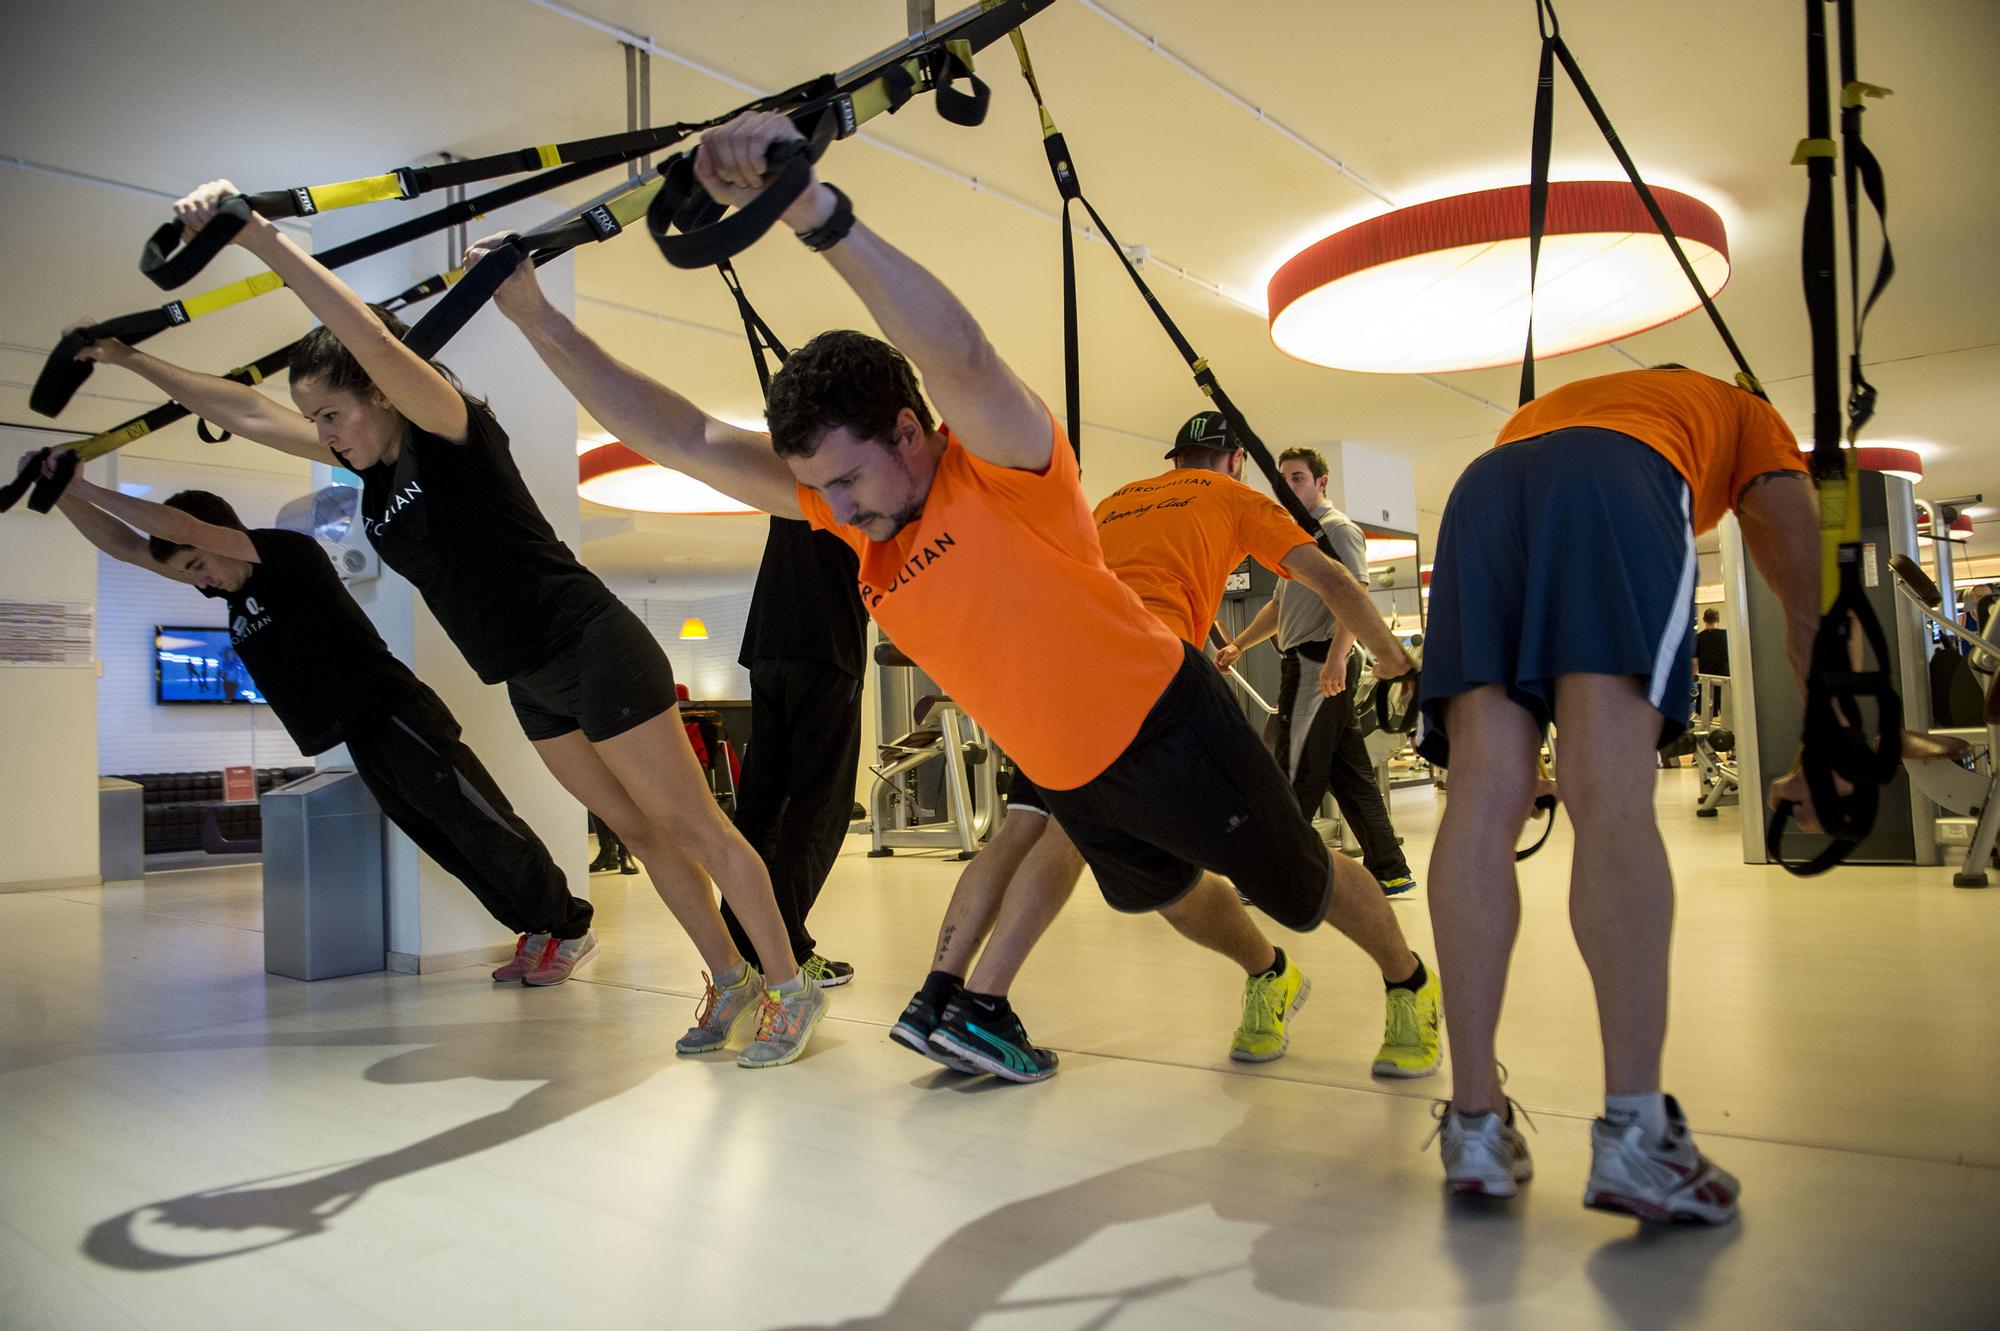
1314, 737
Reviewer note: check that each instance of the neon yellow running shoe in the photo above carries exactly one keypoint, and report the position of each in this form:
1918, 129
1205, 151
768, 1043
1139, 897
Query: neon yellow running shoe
1410, 1045
1269, 1001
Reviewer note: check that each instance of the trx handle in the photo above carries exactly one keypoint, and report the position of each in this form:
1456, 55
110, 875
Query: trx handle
31, 471
1547, 804
468, 296
167, 262
951, 65
48, 489
63, 374
704, 245
1834, 745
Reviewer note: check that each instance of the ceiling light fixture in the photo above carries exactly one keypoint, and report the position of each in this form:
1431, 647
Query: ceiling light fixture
693, 630
616, 477
1443, 285
1904, 462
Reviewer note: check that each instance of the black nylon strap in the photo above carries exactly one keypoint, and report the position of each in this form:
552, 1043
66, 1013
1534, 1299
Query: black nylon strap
1862, 174
1538, 200
1547, 804
763, 342
62, 374
168, 263
1553, 44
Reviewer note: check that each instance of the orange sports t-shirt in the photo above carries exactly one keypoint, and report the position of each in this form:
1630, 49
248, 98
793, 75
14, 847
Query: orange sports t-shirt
1173, 539
999, 592
1719, 437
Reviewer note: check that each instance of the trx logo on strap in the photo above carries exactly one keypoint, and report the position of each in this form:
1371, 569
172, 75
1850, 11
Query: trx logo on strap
176, 314
602, 222
303, 197
844, 108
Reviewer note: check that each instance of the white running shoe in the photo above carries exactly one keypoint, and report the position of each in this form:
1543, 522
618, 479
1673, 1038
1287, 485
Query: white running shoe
1483, 1153
1662, 1181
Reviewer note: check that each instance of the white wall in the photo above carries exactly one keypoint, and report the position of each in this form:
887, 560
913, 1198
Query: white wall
48, 714
135, 733
708, 667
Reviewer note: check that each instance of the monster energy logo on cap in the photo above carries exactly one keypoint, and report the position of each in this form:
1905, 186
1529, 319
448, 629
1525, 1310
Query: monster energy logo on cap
1207, 429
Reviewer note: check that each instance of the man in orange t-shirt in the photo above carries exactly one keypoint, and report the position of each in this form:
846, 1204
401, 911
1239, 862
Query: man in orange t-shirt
1173, 539
1565, 572
979, 558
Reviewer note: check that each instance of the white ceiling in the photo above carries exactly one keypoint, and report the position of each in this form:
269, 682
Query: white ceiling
1420, 100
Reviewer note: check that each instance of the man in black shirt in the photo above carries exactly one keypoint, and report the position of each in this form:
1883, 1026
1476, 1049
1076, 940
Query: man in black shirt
803, 647
1711, 651
331, 680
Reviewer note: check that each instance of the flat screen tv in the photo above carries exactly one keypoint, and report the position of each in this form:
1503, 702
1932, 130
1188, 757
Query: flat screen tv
199, 665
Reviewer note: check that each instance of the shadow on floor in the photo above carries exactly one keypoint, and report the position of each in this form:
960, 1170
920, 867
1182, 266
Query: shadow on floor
580, 1063
1320, 1246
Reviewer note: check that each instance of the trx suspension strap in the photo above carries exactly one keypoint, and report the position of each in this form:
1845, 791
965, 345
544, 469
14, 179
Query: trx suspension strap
1554, 50
1063, 168
169, 267
1835, 746
829, 107
48, 490
63, 374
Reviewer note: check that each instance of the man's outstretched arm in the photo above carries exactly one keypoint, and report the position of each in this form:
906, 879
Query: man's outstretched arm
989, 408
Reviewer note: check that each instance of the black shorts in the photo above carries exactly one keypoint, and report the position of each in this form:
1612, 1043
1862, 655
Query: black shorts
1197, 790
608, 678
1024, 796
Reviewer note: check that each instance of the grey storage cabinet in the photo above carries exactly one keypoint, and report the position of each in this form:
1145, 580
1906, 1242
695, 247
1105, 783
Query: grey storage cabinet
325, 913
121, 829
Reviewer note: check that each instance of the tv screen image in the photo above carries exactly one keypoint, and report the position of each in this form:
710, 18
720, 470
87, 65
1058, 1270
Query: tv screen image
199, 665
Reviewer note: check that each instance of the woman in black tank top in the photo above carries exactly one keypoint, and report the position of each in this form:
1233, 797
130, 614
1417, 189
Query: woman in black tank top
445, 506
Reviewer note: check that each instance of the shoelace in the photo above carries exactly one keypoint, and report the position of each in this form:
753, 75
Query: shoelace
774, 1018
1260, 1004
710, 998
1403, 1018
1440, 1109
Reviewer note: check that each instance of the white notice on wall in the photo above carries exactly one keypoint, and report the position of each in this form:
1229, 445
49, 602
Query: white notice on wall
46, 633
1871, 576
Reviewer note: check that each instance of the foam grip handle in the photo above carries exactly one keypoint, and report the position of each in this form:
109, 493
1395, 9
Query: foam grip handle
167, 263
961, 108
705, 246
465, 299
48, 489
62, 373
10, 493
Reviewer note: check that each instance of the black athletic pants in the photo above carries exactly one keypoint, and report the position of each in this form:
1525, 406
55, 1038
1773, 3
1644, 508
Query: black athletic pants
1335, 756
438, 792
797, 792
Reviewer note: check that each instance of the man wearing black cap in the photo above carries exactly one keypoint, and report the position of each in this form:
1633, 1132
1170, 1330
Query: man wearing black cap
1314, 734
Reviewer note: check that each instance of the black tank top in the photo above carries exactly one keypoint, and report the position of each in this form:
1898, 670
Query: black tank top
457, 521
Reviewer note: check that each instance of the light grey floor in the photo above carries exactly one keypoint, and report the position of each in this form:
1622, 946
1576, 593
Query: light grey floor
185, 1142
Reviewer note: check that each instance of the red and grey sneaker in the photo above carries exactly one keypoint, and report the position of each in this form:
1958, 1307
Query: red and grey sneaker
1483, 1153
1632, 1172
527, 955
560, 958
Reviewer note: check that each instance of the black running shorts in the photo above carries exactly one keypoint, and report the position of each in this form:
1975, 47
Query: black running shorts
607, 679
1197, 790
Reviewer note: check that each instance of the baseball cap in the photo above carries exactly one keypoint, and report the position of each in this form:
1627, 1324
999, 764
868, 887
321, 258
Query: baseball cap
1204, 429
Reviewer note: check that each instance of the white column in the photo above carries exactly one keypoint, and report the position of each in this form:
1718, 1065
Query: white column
434, 922
48, 713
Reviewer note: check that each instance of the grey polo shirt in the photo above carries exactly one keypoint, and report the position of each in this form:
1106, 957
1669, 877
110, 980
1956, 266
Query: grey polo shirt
1302, 616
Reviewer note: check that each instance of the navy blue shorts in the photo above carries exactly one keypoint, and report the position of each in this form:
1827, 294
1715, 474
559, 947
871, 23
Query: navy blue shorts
1570, 553
1024, 796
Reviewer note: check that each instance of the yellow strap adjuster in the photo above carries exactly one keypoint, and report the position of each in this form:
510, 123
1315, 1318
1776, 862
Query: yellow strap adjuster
549, 154
349, 193
231, 294
1810, 148
1851, 95
1749, 382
